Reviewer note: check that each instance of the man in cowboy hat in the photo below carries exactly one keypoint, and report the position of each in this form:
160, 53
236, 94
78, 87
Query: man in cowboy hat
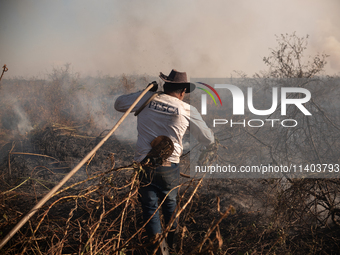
166, 115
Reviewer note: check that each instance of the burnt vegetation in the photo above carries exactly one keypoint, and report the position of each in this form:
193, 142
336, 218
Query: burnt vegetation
47, 126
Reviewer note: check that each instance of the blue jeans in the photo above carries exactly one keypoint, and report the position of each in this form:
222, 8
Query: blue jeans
156, 184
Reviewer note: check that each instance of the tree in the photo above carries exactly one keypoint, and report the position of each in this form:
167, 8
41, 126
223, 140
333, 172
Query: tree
286, 61
314, 143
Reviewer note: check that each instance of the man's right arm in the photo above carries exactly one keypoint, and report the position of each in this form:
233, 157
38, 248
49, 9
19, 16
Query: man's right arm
125, 101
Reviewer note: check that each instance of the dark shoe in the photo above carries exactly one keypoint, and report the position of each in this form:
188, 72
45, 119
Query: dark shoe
171, 240
163, 248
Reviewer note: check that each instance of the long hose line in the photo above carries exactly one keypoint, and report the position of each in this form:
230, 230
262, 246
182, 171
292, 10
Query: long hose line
70, 174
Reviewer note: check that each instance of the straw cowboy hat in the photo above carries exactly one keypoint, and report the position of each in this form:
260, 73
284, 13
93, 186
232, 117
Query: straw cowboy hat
177, 80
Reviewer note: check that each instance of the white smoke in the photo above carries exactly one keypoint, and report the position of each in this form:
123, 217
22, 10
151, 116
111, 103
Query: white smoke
24, 125
203, 38
333, 45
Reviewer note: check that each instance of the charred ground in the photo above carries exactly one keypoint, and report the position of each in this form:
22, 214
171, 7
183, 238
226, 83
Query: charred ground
48, 126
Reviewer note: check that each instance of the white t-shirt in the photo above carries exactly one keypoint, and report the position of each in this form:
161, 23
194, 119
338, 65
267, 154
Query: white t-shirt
164, 115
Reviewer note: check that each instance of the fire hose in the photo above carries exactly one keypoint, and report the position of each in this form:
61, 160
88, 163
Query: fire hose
70, 174
73, 171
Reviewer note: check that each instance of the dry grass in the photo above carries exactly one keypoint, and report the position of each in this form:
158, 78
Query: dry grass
98, 211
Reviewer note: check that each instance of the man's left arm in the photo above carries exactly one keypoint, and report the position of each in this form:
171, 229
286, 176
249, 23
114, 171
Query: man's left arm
199, 128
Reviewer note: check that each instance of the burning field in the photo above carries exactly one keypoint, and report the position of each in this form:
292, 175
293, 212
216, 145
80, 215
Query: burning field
48, 126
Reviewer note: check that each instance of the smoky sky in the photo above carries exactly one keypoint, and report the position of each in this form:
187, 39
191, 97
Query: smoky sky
203, 38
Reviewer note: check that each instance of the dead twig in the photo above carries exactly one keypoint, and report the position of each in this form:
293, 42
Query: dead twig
4, 69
